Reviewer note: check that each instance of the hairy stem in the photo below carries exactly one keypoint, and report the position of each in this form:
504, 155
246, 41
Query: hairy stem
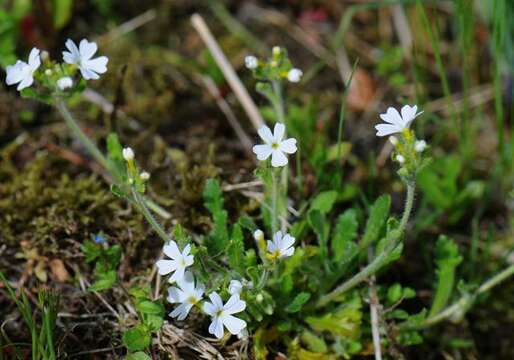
373, 309
274, 200
380, 259
463, 303
149, 217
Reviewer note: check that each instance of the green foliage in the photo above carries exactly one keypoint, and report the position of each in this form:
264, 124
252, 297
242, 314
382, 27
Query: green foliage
378, 214
41, 328
343, 245
213, 199
62, 10
106, 258
298, 301
447, 259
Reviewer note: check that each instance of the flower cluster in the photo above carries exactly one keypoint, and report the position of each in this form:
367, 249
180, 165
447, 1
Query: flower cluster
58, 76
407, 147
277, 67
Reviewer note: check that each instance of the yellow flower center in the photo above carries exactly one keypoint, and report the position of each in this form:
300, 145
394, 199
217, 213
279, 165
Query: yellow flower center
274, 146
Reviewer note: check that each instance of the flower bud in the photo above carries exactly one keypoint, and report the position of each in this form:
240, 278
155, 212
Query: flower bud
48, 72
251, 62
276, 50
258, 235
64, 83
144, 176
400, 158
128, 154
294, 75
420, 145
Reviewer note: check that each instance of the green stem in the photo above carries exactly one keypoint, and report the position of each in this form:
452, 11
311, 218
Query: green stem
149, 217
381, 259
409, 203
463, 303
274, 200
96, 153
79, 134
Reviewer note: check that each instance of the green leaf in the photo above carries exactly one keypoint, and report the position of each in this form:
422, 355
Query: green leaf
324, 201
394, 293
319, 225
298, 302
104, 281
62, 10
344, 321
213, 199
154, 322
116, 190
345, 232
236, 249
138, 356
90, 250
115, 156
313, 342
378, 214
150, 307
113, 255
447, 260
137, 338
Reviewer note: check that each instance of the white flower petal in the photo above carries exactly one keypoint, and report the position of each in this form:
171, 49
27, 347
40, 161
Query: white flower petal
278, 132
181, 311
233, 324
73, 51
287, 252
98, 65
392, 117
235, 287
166, 266
216, 300
176, 295
234, 305
271, 247
187, 283
387, 129
277, 237
210, 309
87, 49
15, 73
178, 274
216, 327
408, 114
34, 59
265, 134
88, 74
26, 82
278, 158
171, 250
262, 151
287, 241
288, 146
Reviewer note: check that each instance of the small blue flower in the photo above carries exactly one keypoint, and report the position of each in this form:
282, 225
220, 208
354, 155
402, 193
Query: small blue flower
99, 239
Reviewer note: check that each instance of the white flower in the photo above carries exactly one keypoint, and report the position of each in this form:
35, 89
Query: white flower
235, 287
21, 72
144, 175
64, 83
178, 263
128, 154
251, 62
274, 145
400, 158
258, 235
82, 57
186, 294
294, 75
281, 246
222, 315
420, 145
397, 123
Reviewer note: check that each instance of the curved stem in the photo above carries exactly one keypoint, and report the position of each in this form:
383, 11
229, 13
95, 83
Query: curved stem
380, 259
149, 217
463, 303
79, 134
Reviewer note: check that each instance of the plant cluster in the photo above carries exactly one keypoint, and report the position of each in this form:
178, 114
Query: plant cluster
294, 280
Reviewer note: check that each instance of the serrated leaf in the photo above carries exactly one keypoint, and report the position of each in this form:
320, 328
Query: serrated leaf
447, 260
104, 281
153, 322
90, 250
297, 303
321, 227
344, 234
213, 200
378, 214
150, 307
137, 338
324, 201
236, 249
113, 255
313, 342
344, 321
